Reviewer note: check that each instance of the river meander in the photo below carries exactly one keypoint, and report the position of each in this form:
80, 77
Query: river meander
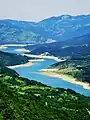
32, 73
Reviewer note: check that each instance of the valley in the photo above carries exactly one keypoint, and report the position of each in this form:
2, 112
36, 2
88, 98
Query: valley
45, 69
33, 71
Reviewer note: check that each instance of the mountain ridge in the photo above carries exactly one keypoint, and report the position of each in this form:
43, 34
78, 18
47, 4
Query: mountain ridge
77, 46
55, 28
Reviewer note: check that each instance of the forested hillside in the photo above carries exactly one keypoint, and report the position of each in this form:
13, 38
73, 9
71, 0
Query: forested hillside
23, 99
7, 59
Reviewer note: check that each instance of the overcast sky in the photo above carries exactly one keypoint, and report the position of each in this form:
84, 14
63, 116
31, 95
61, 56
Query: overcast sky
39, 9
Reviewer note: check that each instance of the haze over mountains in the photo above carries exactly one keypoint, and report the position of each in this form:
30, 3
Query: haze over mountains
54, 29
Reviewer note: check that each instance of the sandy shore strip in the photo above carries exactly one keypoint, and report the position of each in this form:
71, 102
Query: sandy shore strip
36, 60
2, 47
21, 65
28, 64
44, 57
23, 50
21, 45
52, 73
49, 70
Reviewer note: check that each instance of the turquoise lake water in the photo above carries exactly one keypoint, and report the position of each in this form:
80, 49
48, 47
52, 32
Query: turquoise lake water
32, 73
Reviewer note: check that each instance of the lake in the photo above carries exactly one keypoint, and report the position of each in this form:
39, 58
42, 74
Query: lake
32, 73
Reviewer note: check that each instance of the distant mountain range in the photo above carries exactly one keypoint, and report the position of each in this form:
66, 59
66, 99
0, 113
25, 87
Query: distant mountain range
46, 31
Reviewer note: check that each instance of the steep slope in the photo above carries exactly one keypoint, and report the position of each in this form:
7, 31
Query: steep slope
49, 30
21, 98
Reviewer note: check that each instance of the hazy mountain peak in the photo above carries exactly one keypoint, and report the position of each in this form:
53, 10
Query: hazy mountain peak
59, 28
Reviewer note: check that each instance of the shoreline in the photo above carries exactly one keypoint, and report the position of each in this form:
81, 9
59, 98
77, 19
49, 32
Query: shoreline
23, 50
36, 60
21, 45
28, 64
70, 79
21, 65
2, 47
44, 57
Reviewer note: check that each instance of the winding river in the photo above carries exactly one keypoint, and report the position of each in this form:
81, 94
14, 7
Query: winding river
32, 72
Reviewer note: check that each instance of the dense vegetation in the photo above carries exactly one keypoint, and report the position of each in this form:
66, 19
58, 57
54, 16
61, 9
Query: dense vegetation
55, 28
78, 67
12, 59
23, 99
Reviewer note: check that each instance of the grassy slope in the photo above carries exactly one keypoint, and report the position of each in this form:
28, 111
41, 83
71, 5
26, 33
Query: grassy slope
21, 99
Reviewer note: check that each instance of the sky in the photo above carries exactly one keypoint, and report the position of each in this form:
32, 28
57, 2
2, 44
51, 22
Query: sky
36, 10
